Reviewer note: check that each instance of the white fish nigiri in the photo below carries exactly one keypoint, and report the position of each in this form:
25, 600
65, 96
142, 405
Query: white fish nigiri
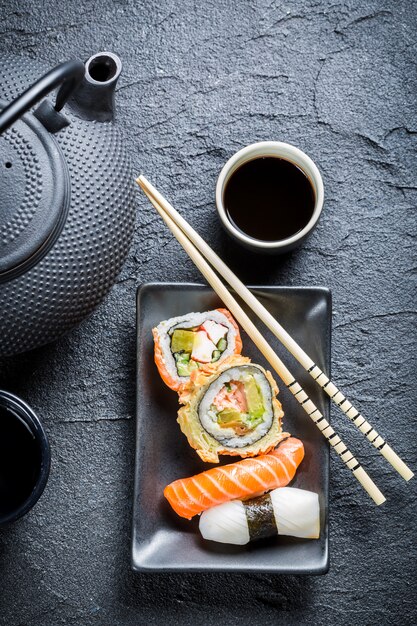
284, 511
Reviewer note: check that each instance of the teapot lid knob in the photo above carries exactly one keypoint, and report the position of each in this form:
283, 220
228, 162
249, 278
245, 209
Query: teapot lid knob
34, 195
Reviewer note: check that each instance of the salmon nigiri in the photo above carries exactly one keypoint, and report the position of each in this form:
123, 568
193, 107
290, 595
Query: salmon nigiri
244, 479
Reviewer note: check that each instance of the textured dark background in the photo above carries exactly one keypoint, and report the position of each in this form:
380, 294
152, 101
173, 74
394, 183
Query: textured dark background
202, 79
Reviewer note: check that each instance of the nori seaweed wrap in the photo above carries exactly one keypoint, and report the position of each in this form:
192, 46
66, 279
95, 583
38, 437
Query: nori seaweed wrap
231, 409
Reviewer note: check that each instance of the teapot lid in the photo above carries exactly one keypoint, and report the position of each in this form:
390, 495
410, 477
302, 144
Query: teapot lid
34, 195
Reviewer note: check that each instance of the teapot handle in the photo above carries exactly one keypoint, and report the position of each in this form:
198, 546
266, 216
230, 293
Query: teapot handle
69, 75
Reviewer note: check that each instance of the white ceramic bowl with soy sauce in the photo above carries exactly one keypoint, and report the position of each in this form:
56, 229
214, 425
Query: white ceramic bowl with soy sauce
269, 196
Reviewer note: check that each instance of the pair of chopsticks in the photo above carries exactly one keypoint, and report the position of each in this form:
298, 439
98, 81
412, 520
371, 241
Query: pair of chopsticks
198, 250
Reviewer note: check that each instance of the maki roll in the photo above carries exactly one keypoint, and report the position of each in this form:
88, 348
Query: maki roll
231, 408
186, 343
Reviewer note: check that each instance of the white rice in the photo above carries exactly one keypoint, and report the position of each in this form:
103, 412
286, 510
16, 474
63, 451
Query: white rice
190, 321
208, 418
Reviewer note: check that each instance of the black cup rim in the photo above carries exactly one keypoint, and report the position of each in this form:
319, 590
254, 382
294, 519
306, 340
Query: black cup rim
11, 401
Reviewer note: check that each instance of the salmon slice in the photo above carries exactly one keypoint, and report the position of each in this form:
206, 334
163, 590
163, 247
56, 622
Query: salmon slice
244, 479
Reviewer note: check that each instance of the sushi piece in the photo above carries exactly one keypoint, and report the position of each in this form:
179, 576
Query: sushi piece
285, 511
231, 408
186, 343
244, 479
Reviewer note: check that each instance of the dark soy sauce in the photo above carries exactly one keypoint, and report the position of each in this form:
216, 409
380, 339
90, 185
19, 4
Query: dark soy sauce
20, 461
269, 198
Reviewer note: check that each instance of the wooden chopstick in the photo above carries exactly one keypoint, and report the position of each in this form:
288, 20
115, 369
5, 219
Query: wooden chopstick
308, 405
302, 357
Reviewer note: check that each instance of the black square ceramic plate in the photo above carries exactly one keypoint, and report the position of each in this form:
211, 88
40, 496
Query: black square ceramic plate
161, 540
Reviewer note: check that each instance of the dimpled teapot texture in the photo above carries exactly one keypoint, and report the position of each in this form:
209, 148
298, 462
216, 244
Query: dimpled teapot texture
70, 280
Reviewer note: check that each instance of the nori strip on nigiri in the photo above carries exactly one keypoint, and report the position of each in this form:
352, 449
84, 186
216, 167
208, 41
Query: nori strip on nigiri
260, 517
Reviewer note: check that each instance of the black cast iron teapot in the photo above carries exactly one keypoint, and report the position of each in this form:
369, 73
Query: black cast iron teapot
67, 210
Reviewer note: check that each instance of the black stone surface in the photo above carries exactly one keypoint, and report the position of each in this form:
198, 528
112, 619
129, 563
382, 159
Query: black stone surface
202, 79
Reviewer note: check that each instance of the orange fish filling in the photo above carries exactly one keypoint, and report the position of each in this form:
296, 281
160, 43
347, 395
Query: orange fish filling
233, 410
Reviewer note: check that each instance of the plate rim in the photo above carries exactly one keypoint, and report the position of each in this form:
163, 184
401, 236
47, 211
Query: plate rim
322, 567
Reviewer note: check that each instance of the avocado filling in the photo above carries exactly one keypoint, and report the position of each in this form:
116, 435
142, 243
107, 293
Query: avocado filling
192, 347
239, 405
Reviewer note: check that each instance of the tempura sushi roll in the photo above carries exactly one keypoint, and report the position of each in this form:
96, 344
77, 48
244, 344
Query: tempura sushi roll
286, 511
186, 343
231, 409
